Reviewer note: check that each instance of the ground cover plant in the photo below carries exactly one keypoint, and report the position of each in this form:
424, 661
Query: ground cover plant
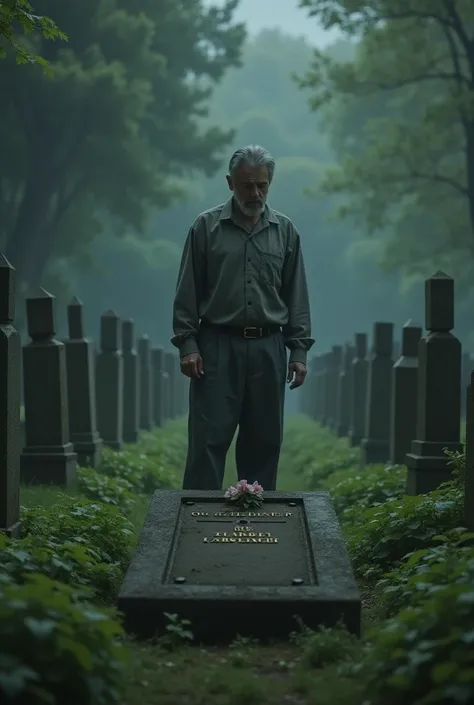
414, 561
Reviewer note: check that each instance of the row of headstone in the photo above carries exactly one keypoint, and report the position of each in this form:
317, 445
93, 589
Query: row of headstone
402, 409
76, 399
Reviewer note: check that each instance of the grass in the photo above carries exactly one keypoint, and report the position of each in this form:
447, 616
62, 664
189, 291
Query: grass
301, 671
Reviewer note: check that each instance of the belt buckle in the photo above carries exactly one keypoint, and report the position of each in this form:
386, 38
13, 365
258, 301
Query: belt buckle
258, 332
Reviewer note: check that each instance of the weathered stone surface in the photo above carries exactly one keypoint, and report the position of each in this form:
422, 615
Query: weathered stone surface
48, 456
358, 390
146, 383
469, 473
131, 389
80, 367
439, 391
344, 391
332, 382
375, 446
109, 381
247, 587
10, 384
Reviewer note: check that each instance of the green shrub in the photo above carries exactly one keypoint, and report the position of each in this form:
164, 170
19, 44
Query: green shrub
56, 648
326, 646
72, 563
385, 534
102, 488
425, 571
100, 527
144, 472
425, 655
351, 491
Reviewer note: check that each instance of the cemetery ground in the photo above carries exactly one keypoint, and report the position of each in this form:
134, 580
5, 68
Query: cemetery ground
414, 564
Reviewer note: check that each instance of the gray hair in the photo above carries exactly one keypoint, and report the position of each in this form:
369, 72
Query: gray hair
253, 155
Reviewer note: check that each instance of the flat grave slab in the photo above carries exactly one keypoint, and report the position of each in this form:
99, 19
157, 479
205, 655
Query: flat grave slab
240, 572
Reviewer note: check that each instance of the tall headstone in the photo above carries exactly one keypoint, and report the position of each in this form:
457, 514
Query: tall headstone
131, 390
404, 395
157, 363
48, 457
81, 390
146, 383
109, 382
439, 391
344, 392
332, 382
170, 367
467, 365
359, 390
375, 446
10, 385
469, 472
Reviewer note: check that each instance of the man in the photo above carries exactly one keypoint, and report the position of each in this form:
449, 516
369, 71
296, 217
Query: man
241, 297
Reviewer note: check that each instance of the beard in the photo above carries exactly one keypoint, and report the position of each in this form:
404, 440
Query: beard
251, 208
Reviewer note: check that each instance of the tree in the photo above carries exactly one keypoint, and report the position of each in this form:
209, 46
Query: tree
105, 143
402, 120
20, 13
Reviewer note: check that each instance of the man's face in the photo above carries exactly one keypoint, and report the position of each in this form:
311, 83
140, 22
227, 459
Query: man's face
250, 186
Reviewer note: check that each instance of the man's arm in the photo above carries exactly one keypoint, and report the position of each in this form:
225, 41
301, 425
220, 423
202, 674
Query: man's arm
189, 291
294, 293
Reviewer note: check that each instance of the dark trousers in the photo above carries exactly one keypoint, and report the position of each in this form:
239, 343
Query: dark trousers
243, 386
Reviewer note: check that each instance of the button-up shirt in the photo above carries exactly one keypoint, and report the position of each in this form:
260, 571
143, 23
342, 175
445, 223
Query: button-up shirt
234, 277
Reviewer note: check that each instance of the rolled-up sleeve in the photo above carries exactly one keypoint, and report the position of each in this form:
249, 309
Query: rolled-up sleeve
297, 332
189, 291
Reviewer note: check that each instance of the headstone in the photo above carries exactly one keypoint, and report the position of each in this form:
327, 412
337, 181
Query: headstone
239, 572
324, 375
80, 366
157, 363
109, 382
146, 383
131, 390
359, 390
404, 395
48, 457
467, 365
170, 367
332, 381
375, 445
439, 391
469, 472
344, 392
10, 385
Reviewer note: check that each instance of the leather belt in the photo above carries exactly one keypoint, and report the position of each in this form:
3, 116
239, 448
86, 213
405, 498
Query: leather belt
247, 332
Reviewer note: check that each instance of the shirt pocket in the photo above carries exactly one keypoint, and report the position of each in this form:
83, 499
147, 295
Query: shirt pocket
271, 268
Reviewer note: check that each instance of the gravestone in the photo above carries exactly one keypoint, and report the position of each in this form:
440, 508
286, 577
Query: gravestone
439, 391
239, 572
48, 457
109, 381
146, 383
469, 471
332, 382
131, 390
404, 395
80, 366
10, 385
344, 392
358, 390
375, 446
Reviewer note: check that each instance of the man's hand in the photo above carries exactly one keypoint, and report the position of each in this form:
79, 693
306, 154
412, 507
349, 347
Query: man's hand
296, 374
191, 365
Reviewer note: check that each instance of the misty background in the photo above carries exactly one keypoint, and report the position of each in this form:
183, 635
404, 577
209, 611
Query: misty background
111, 227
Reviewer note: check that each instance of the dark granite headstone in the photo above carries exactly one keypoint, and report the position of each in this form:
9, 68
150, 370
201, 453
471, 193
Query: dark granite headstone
332, 384
109, 381
344, 392
10, 384
359, 390
146, 383
131, 390
48, 457
469, 472
375, 446
239, 572
404, 395
80, 365
439, 391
